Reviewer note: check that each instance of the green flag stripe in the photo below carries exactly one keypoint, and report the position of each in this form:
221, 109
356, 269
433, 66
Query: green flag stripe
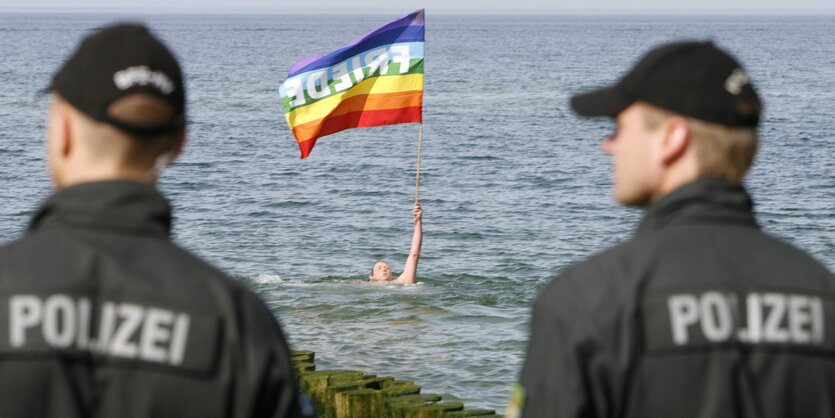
415, 67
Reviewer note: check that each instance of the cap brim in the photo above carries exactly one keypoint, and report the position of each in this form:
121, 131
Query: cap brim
608, 101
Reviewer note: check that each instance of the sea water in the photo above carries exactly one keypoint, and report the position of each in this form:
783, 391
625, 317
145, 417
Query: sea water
513, 185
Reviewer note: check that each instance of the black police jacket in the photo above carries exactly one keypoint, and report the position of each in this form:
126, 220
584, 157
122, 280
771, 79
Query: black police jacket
699, 314
101, 315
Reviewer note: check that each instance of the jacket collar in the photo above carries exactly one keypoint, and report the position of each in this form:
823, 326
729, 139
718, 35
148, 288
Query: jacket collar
706, 200
118, 204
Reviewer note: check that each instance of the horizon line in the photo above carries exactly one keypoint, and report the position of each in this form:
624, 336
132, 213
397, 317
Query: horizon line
493, 11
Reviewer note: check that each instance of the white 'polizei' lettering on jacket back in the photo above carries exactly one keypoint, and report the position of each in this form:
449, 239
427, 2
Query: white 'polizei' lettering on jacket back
778, 318
125, 330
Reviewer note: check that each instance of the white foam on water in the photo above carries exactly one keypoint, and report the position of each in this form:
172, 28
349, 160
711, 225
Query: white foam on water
268, 279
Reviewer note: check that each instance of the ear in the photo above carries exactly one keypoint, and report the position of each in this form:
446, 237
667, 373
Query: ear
676, 140
59, 140
59, 130
178, 146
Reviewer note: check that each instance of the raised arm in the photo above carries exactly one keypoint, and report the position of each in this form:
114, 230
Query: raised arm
410, 269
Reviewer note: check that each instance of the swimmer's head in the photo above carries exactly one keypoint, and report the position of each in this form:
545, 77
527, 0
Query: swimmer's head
380, 272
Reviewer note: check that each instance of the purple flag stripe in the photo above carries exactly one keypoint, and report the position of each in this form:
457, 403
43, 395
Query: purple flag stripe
414, 19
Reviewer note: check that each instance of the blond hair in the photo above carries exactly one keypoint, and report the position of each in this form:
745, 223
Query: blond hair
721, 151
106, 141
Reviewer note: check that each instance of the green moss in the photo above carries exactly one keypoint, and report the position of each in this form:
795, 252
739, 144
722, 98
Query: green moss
344, 376
435, 410
302, 355
395, 383
425, 398
303, 367
396, 409
401, 390
378, 382
358, 403
316, 385
471, 413
353, 394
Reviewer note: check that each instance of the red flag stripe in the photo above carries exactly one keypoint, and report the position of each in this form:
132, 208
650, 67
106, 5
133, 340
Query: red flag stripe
359, 119
361, 103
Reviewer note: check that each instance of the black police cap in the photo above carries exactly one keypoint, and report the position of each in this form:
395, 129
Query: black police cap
118, 61
694, 79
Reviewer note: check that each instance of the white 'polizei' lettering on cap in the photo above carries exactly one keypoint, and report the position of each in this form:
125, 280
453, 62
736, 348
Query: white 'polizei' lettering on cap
143, 76
125, 330
736, 81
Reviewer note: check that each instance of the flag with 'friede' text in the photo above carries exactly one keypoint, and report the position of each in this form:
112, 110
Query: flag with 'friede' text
373, 81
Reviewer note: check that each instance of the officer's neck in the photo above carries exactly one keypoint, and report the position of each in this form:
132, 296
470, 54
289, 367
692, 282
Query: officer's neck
68, 176
684, 171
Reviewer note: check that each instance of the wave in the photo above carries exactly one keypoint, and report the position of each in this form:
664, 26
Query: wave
268, 278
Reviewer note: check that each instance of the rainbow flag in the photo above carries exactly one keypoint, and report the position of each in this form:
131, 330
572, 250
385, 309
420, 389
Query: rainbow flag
375, 80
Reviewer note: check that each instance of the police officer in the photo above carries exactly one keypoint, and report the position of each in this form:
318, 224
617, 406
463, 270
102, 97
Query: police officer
100, 313
700, 313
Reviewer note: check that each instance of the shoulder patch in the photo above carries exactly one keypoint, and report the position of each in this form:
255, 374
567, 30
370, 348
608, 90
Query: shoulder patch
517, 401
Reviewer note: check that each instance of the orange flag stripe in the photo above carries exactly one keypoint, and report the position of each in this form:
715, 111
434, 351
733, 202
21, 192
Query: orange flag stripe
361, 103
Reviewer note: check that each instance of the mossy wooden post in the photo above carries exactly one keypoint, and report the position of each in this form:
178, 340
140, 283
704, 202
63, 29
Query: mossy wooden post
302, 356
399, 388
303, 362
344, 376
471, 413
359, 403
435, 410
353, 394
393, 383
379, 382
332, 390
425, 398
395, 405
315, 385
304, 367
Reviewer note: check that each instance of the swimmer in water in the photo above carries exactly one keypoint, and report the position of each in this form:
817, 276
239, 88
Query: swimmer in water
381, 271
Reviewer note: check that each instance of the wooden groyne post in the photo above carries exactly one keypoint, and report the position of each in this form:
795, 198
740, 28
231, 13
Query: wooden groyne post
356, 394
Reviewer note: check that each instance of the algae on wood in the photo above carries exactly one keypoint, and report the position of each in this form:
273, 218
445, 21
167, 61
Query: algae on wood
425, 398
302, 355
304, 367
315, 385
378, 382
344, 376
354, 394
471, 413
435, 410
394, 383
397, 404
332, 390
392, 391
359, 403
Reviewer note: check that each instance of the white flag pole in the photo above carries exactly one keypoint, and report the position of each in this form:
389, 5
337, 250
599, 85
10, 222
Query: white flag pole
417, 175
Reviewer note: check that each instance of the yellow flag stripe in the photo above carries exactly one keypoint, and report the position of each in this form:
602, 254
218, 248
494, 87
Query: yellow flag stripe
375, 85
